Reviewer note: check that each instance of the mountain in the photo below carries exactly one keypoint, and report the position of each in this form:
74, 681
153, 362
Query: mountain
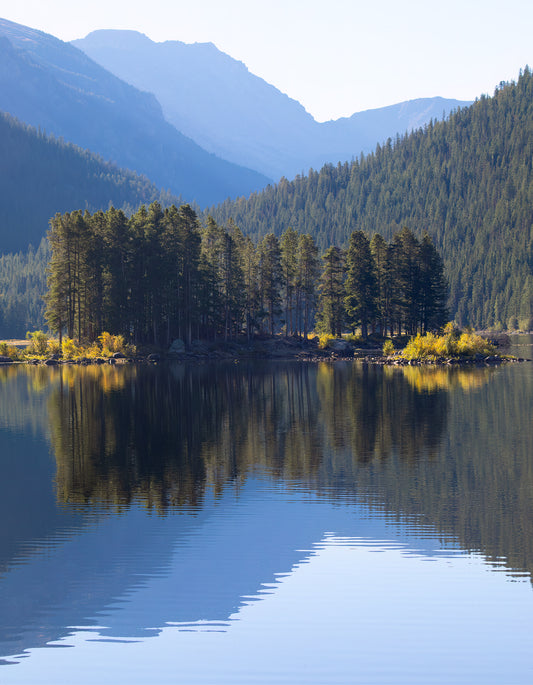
215, 100
467, 180
52, 85
42, 175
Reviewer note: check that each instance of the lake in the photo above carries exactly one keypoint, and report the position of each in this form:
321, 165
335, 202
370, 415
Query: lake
266, 523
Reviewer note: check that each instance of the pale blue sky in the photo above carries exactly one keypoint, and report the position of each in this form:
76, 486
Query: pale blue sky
336, 57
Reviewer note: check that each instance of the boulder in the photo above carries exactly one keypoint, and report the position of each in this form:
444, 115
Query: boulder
199, 347
339, 345
177, 348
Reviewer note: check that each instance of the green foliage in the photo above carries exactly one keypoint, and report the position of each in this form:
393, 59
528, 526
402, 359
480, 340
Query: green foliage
360, 299
42, 175
270, 279
160, 275
467, 181
331, 311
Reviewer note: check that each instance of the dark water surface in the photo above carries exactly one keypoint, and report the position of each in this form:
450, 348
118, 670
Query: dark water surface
266, 523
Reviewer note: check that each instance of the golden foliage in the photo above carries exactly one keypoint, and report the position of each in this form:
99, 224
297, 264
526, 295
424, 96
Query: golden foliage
10, 351
428, 379
388, 348
453, 343
324, 339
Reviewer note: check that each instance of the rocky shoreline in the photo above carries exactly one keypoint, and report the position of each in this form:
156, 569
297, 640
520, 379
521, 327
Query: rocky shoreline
277, 348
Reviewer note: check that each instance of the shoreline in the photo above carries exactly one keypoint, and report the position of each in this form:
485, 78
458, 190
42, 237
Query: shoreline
270, 349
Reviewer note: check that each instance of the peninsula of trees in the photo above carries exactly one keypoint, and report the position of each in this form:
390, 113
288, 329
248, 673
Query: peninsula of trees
162, 275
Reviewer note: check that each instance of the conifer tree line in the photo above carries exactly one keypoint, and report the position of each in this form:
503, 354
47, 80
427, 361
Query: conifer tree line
467, 180
162, 275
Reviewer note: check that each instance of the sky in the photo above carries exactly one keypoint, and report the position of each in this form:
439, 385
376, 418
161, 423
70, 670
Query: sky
336, 57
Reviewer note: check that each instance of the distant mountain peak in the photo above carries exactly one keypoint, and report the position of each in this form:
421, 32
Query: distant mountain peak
103, 35
215, 100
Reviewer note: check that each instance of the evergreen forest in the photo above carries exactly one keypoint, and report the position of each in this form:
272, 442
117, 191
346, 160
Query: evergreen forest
22, 284
42, 175
462, 187
467, 181
161, 275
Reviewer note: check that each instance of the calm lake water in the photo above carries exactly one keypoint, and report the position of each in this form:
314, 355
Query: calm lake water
266, 523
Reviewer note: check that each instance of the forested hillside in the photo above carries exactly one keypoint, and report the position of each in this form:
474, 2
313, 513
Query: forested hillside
42, 175
22, 285
467, 181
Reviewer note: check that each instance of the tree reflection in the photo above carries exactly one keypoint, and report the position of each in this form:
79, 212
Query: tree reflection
162, 434
450, 447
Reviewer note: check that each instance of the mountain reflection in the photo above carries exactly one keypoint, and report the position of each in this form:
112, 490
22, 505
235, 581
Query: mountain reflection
440, 450
451, 446
431, 443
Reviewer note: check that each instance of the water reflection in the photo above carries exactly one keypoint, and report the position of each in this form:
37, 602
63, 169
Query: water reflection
222, 456
159, 435
359, 432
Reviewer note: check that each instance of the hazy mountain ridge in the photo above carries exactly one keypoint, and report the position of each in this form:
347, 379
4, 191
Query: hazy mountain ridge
51, 84
215, 100
208, 94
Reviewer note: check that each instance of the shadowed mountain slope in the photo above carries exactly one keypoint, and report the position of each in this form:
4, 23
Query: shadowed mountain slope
42, 176
50, 84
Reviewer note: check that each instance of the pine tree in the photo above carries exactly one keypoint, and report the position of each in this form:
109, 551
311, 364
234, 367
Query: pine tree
66, 289
433, 288
289, 267
270, 278
307, 282
234, 280
250, 270
330, 317
406, 259
189, 259
381, 254
360, 284
116, 270
212, 298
